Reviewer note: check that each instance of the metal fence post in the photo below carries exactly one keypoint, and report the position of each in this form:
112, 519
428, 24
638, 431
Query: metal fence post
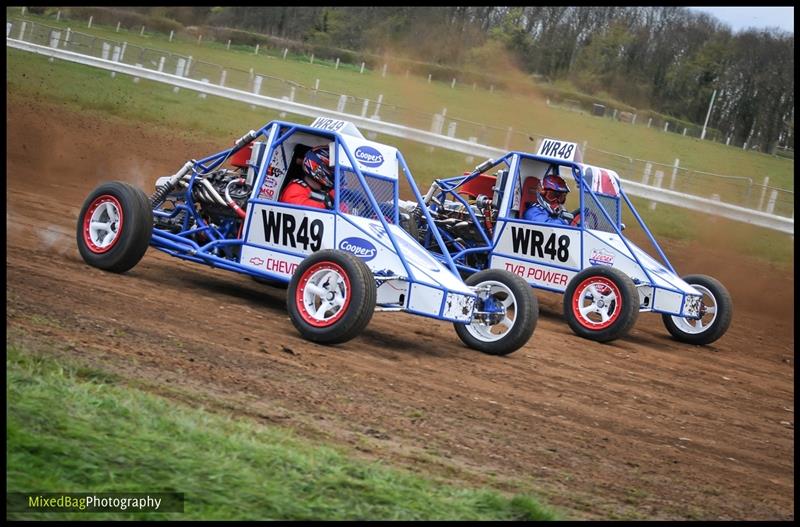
763, 192
364, 108
376, 115
90, 22
674, 173
118, 24
451, 129
773, 197
658, 179
507, 143
646, 176
341, 104
222, 77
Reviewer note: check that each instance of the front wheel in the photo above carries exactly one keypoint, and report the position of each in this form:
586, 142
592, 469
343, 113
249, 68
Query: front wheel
716, 311
505, 314
331, 297
114, 227
601, 303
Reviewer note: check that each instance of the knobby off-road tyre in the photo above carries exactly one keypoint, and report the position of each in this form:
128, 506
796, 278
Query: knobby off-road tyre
114, 227
331, 297
601, 303
717, 313
520, 312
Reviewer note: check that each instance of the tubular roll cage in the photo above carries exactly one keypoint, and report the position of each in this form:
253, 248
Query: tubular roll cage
449, 187
181, 246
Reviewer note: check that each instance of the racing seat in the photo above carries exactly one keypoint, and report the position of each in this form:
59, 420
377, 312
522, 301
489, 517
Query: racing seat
481, 184
295, 168
528, 194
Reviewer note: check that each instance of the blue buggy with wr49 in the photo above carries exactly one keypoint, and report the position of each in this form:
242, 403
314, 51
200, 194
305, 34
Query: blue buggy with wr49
341, 263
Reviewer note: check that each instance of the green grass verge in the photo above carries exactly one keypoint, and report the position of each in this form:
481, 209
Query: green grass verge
82, 88
525, 111
75, 429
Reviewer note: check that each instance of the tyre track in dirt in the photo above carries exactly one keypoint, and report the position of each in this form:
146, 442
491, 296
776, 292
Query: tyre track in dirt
644, 426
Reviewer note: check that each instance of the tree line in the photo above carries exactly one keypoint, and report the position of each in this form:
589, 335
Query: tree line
668, 59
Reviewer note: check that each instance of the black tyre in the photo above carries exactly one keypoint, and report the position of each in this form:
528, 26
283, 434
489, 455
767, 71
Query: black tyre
506, 313
716, 310
601, 303
114, 227
331, 297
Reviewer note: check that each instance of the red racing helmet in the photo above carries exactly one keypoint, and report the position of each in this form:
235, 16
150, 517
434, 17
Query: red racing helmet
316, 166
552, 193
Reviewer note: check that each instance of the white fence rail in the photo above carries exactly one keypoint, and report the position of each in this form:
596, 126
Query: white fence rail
472, 148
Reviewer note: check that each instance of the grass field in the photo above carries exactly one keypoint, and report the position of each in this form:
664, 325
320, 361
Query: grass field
524, 111
112, 437
87, 89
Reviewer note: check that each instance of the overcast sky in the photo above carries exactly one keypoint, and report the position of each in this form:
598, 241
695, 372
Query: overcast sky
739, 18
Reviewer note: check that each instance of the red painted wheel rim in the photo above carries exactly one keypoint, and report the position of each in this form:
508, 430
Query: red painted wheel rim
323, 283
99, 210
603, 291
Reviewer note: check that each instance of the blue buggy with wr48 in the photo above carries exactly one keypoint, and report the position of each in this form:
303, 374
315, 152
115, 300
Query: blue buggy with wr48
606, 279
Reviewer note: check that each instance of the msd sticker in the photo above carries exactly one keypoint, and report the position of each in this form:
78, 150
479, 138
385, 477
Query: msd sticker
601, 257
359, 247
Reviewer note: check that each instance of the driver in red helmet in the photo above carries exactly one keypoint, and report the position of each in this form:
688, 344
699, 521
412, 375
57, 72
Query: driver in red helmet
550, 198
316, 187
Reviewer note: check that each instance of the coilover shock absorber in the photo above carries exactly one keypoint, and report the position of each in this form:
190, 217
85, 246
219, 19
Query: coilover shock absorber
162, 191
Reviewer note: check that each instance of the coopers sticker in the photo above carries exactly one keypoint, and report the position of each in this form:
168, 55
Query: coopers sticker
359, 247
369, 156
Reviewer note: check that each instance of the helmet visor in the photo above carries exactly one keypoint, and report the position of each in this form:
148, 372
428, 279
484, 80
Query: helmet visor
555, 196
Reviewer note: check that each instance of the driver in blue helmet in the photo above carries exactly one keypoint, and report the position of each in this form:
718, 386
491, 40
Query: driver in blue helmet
550, 198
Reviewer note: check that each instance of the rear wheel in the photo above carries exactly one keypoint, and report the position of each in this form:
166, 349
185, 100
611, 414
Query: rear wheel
716, 310
331, 297
114, 227
505, 314
601, 303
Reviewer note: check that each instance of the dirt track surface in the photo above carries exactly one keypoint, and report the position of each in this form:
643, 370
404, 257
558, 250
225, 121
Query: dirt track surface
642, 427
